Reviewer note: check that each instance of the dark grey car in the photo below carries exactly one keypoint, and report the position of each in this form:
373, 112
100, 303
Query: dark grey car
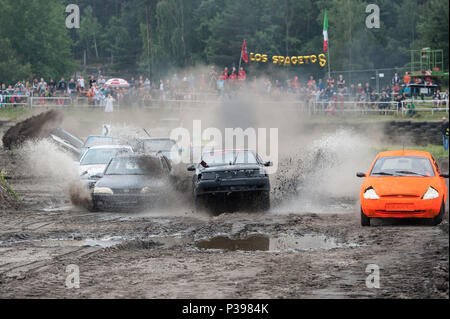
231, 180
134, 182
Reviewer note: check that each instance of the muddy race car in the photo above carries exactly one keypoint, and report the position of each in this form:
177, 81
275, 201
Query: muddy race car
231, 180
403, 184
95, 160
165, 146
134, 182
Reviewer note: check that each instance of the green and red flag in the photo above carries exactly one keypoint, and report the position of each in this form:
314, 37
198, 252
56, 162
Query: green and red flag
325, 33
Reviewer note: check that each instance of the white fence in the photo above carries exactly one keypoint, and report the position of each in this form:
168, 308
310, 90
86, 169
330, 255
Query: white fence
310, 106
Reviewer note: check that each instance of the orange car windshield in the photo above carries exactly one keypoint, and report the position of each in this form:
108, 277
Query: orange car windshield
403, 166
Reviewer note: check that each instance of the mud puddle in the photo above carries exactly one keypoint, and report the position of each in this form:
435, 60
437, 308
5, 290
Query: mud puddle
261, 242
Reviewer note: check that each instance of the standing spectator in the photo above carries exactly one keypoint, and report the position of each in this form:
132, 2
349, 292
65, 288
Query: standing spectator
92, 82
72, 88
320, 85
62, 85
330, 82
52, 87
406, 78
242, 74
295, 85
109, 108
81, 83
147, 84
141, 82
101, 81
221, 83
445, 98
437, 99
367, 91
42, 86
311, 83
161, 90
341, 84
396, 80
445, 133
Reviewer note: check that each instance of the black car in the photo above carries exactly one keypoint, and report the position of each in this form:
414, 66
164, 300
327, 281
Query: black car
234, 179
133, 181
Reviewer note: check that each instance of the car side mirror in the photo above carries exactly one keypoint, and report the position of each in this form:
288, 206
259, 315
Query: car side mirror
191, 168
268, 164
98, 176
360, 175
444, 175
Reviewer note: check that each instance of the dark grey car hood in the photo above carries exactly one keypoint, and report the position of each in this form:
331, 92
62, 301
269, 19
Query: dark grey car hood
131, 182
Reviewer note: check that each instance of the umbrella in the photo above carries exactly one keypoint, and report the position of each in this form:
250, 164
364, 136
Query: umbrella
117, 83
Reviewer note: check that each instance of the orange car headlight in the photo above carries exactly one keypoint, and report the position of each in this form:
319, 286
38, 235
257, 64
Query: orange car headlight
371, 194
431, 193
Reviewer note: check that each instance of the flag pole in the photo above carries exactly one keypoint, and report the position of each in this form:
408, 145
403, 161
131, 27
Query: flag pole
240, 60
328, 53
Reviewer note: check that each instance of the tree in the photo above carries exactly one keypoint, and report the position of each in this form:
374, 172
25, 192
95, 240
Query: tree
37, 35
433, 26
11, 69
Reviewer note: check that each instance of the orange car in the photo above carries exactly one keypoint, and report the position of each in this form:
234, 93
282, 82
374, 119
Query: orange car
403, 184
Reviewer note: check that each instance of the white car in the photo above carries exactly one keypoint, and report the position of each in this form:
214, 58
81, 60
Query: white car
95, 160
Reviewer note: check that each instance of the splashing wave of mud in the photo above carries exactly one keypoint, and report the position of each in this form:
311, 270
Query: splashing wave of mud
323, 173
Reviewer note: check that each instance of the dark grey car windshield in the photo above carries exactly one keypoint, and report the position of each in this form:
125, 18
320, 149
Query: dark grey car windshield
403, 166
229, 158
135, 166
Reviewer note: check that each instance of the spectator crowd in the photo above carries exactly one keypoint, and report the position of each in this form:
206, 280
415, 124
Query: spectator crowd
329, 93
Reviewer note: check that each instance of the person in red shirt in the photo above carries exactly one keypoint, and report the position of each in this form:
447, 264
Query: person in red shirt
330, 82
233, 77
226, 72
242, 75
311, 83
223, 76
295, 84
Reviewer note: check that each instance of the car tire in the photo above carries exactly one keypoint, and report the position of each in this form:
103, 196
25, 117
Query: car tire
263, 201
438, 219
94, 208
365, 221
199, 203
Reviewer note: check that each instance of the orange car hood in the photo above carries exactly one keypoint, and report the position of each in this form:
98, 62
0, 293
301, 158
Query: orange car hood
413, 186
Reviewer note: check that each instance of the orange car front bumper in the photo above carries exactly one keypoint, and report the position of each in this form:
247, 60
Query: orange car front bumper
401, 207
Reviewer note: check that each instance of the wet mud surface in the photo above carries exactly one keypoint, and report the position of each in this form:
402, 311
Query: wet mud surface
180, 254
307, 246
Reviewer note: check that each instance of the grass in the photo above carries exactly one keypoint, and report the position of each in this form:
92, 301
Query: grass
437, 151
5, 185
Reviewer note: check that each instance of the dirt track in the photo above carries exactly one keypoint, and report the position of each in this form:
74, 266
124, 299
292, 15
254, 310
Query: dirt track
158, 256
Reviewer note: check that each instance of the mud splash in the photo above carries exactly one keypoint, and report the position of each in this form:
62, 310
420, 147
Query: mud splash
35, 127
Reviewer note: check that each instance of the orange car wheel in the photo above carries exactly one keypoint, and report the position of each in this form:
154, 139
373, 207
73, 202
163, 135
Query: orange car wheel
438, 219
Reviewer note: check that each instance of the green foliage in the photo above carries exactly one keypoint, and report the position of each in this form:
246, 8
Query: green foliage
154, 37
5, 185
37, 35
